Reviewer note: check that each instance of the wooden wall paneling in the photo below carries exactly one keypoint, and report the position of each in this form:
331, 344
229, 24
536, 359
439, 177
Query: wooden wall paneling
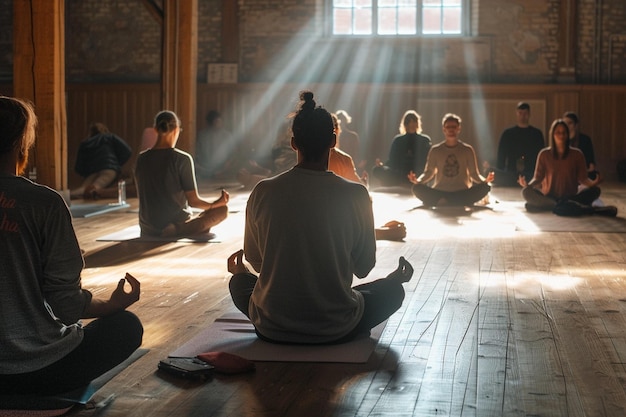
125, 109
255, 113
602, 112
560, 101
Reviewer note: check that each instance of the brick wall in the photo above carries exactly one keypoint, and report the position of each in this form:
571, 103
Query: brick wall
6, 40
602, 24
517, 42
110, 41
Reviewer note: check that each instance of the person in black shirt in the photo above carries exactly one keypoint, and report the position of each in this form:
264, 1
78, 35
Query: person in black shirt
582, 142
408, 153
518, 149
99, 161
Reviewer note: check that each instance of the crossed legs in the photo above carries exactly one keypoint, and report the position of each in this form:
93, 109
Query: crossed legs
382, 297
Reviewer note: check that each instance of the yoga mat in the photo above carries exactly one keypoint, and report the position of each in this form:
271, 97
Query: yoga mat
549, 222
92, 209
53, 405
133, 233
505, 212
233, 333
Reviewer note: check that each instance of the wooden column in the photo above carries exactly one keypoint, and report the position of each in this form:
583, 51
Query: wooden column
567, 42
230, 31
180, 65
39, 76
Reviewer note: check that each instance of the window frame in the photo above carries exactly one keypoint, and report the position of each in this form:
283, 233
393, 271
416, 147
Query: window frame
465, 23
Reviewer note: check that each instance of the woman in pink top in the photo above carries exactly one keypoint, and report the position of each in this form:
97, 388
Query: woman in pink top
559, 171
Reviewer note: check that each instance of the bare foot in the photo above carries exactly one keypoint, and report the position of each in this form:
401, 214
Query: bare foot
91, 193
223, 200
404, 272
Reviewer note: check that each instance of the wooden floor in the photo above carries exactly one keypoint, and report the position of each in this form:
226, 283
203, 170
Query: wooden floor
496, 322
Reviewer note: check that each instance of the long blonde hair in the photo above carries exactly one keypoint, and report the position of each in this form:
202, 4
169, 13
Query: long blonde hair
406, 118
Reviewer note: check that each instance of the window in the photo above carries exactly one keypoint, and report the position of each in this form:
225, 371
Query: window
398, 17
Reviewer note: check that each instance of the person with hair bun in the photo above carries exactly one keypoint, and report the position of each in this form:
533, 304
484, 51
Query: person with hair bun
45, 349
307, 233
167, 187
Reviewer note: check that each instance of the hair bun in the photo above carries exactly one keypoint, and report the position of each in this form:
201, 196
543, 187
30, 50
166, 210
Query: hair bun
307, 102
306, 96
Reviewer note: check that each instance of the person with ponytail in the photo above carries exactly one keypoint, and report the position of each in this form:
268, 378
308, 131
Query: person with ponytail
45, 347
307, 233
167, 187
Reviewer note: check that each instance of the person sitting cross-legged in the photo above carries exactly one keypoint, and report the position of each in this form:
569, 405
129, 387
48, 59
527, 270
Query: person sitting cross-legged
45, 348
559, 171
307, 233
167, 187
407, 154
452, 164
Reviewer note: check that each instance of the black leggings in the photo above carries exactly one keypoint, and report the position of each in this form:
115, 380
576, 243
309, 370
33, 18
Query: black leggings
107, 342
382, 297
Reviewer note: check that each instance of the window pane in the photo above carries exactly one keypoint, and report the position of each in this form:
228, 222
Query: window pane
342, 22
431, 20
363, 22
452, 20
387, 22
407, 21
397, 17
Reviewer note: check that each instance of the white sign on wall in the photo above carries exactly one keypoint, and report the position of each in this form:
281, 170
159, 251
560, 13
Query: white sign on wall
222, 74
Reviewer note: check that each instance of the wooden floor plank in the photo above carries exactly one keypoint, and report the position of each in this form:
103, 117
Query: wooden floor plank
496, 322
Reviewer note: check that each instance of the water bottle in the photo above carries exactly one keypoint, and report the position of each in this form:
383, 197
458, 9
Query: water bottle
121, 192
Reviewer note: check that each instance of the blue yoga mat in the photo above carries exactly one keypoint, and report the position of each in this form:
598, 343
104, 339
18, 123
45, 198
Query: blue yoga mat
93, 209
68, 399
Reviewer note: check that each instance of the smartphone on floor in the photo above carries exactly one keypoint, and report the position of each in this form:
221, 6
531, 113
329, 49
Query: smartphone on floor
186, 367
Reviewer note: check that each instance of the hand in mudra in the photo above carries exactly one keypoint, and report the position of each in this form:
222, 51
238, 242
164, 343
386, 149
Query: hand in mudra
235, 263
404, 272
521, 180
